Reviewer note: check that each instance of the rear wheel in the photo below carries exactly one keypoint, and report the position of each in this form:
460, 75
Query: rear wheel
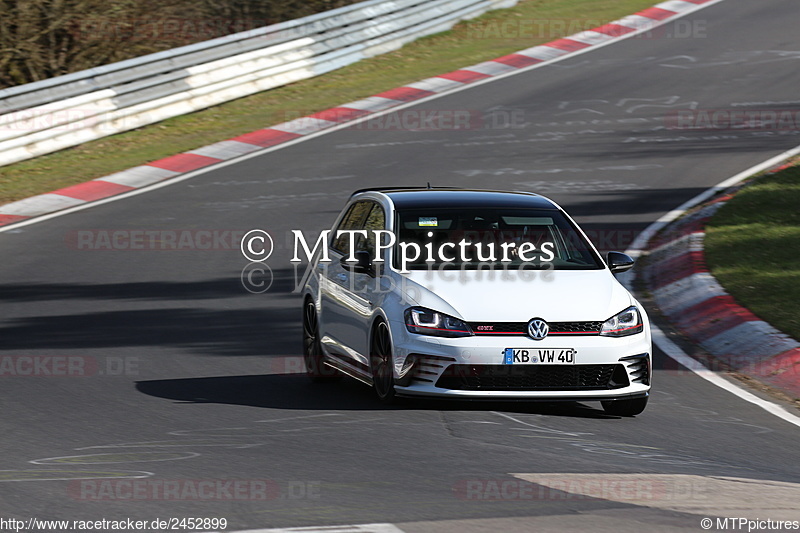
317, 370
381, 363
631, 407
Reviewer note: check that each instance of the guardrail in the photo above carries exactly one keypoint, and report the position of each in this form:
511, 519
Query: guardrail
50, 115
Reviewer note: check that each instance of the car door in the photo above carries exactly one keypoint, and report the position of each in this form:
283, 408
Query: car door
370, 286
347, 295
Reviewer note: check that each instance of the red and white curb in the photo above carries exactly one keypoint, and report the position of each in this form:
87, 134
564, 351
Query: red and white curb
170, 167
700, 308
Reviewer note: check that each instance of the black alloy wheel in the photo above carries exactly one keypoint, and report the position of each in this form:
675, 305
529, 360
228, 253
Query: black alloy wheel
381, 363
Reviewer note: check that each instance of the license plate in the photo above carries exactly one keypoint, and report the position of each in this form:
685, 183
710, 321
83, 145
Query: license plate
539, 356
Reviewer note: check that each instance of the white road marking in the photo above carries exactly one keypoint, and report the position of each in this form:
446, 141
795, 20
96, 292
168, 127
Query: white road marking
675, 352
645, 236
299, 417
67, 475
537, 427
115, 458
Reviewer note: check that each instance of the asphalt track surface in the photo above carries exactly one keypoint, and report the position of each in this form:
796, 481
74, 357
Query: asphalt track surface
189, 377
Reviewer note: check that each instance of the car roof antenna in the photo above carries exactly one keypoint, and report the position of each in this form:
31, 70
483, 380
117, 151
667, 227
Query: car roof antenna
429, 186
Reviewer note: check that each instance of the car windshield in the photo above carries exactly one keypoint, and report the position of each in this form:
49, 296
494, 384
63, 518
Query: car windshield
474, 237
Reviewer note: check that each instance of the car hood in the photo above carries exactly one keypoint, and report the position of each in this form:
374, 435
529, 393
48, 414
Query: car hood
513, 296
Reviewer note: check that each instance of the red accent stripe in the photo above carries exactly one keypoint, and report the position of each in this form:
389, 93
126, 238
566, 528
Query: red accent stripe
656, 13
477, 333
517, 60
568, 44
405, 94
437, 329
593, 332
624, 329
266, 137
464, 76
184, 162
10, 219
614, 30
340, 114
93, 190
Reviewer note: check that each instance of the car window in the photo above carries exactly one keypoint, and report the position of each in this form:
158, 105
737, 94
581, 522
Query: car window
375, 221
555, 241
354, 220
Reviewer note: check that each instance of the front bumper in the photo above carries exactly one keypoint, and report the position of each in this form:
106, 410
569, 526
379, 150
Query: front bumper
605, 368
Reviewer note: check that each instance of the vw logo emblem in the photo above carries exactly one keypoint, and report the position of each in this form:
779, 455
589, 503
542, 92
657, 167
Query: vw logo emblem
538, 329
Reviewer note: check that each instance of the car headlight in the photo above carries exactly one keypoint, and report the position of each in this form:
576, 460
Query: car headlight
429, 322
628, 322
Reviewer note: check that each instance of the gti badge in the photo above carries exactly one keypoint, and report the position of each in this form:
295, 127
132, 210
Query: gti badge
538, 329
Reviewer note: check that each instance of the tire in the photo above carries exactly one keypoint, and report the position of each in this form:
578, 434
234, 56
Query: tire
631, 407
317, 370
381, 363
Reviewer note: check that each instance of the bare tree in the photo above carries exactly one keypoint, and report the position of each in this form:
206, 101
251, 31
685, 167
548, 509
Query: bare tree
41, 39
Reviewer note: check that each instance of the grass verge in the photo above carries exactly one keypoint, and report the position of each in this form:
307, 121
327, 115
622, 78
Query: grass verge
752, 247
495, 34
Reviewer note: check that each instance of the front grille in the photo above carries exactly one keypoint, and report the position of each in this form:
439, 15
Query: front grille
533, 377
575, 328
521, 328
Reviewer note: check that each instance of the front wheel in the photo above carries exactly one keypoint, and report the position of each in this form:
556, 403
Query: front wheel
631, 407
381, 363
316, 368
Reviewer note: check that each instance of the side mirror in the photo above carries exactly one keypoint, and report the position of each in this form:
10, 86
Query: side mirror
362, 265
619, 262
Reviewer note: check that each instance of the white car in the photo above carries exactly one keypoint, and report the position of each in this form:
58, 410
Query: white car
473, 294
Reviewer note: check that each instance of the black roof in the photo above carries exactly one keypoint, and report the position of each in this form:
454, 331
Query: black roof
423, 197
